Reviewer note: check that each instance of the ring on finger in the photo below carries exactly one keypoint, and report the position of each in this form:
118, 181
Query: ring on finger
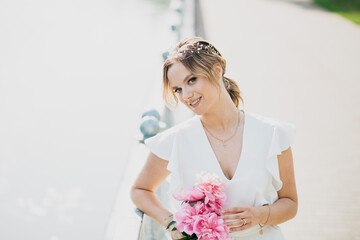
244, 220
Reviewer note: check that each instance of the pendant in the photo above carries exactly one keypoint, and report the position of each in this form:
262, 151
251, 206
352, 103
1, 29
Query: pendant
261, 232
224, 145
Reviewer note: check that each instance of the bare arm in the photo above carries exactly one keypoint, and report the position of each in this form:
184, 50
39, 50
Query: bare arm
285, 208
282, 210
143, 195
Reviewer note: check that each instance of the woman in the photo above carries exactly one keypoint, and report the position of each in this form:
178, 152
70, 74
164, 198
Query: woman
250, 153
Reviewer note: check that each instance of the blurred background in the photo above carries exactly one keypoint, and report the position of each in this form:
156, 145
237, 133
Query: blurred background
76, 76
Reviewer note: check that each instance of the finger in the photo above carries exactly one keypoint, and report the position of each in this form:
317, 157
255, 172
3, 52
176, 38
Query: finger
232, 216
235, 223
241, 228
235, 210
177, 235
236, 216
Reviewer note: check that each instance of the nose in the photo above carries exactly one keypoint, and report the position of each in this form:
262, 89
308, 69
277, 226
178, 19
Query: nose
187, 94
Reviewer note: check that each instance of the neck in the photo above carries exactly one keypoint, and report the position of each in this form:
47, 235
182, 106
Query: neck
223, 116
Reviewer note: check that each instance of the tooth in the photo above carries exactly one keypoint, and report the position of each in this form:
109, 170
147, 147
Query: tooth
195, 102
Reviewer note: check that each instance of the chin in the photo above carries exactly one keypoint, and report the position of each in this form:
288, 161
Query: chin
195, 111
199, 114
198, 111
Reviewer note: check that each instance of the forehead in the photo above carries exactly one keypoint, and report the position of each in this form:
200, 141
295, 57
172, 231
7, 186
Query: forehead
177, 73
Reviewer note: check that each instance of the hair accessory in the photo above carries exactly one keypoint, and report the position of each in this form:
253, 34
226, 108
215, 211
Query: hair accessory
261, 226
227, 83
201, 47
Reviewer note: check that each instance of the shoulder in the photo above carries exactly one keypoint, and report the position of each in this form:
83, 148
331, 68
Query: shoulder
182, 127
267, 122
270, 129
164, 143
278, 133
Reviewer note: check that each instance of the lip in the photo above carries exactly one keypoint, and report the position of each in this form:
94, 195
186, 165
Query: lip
197, 104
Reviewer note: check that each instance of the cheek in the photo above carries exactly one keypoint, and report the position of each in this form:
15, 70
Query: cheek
212, 93
180, 98
182, 101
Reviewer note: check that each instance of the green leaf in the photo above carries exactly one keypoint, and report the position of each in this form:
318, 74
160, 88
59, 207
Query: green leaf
185, 234
193, 237
171, 223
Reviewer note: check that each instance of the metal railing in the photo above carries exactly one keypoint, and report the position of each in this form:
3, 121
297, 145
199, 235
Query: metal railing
128, 222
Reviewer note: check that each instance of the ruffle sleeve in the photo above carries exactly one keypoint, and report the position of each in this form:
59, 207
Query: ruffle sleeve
163, 145
283, 136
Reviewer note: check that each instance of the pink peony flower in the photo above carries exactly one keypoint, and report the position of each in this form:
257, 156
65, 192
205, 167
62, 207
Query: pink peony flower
186, 218
201, 212
213, 189
189, 195
205, 179
210, 227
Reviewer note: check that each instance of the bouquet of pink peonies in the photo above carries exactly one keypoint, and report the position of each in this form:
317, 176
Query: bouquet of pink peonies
200, 214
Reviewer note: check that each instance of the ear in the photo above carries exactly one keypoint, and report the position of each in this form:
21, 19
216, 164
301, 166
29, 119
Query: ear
218, 70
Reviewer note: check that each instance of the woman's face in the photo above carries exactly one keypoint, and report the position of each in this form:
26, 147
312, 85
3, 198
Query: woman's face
196, 92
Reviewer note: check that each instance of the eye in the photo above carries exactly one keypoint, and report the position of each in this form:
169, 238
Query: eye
177, 90
192, 80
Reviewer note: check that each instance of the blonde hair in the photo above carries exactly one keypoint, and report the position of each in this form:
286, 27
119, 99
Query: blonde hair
198, 56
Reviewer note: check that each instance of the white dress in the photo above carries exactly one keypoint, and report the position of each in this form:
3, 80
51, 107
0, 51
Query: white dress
256, 179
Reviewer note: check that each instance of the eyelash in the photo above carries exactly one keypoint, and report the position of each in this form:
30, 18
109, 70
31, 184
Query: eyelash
190, 81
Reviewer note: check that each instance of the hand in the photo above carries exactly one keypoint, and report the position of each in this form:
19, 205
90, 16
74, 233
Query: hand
175, 234
170, 226
240, 218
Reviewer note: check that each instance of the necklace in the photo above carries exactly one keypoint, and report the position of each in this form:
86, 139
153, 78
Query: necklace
225, 140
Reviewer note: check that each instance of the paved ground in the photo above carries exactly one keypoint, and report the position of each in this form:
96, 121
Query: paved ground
298, 63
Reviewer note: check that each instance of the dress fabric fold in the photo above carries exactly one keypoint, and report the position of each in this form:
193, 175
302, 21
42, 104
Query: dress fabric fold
256, 180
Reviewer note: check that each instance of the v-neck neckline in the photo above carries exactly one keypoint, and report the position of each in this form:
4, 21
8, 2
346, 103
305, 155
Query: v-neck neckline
243, 147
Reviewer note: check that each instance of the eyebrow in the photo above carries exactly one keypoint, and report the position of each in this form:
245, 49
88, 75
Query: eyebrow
184, 80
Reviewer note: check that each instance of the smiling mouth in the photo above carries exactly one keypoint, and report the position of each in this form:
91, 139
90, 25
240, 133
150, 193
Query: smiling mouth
195, 103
